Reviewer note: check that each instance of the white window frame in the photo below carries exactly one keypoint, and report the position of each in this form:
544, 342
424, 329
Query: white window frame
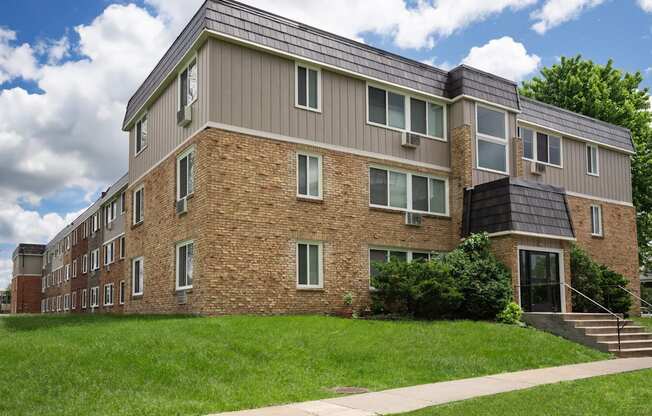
190, 175
74, 268
59, 303
176, 264
596, 209
320, 264
95, 297
67, 272
66, 302
409, 190
73, 300
387, 250
122, 292
85, 264
96, 222
95, 259
109, 252
144, 119
110, 288
123, 202
111, 211
408, 116
123, 247
296, 86
185, 67
492, 139
535, 151
597, 159
140, 189
141, 261
320, 194
84, 299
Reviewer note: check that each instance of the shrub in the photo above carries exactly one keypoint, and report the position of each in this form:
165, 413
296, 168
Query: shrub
467, 283
511, 315
599, 283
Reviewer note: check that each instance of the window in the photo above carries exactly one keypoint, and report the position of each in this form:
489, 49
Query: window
95, 294
84, 299
309, 176
140, 142
139, 205
85, 264
122, 293
540, 147
109, 253
137, 274
407, 191
382, 255
74, 268
67, 269
188, 85
491, 140
596, 220
592, 160
185, 173
108, 294
123, 247
308, 88
74, 300
123, 203
111, 211
66, 302
59, 303
96, 222
95, 259
85, 229
399, 111
309, 265
184, 265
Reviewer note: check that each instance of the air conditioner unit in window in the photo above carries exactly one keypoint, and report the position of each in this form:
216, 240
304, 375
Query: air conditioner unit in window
537, 168
184, 116
182, 297
182, 206
410, 140
412, 218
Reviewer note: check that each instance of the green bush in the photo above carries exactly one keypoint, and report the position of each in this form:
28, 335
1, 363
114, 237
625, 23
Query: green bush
511, 315
467, 283
646, 293
599, 283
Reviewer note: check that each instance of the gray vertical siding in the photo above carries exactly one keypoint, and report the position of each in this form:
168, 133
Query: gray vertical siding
255, 90
614, 181
163, 134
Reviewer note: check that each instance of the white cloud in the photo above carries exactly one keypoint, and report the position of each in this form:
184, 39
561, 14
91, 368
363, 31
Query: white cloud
15, 61
6, 267
408, 27
646, 5
555, 12
504, 57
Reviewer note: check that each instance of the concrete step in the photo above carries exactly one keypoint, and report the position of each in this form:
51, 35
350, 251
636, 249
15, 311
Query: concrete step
588, 316
628, 329
623, 337
597, 322
634, 352
629, 344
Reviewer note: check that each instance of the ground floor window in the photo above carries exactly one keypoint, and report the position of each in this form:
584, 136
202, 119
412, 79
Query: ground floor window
66, 302
310, 272
383, 255
122, 293
137, 273
184, 265
84, 299
74, 300
108, 294
95, 297
596, 220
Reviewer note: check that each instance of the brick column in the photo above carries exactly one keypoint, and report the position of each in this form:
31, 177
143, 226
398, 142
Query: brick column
461, 175
518, 154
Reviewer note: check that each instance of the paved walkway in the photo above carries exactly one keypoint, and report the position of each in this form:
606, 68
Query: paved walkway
407, 399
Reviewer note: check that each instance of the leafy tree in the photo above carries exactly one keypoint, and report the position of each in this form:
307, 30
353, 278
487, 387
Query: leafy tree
610, 95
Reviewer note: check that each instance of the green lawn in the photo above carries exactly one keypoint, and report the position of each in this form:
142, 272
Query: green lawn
646, 322
104, 365
617, 395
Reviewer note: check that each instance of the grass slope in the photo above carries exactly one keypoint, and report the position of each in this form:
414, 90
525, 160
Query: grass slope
105, 365
616, 395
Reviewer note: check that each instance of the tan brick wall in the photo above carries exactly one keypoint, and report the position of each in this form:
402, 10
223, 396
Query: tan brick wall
245, 219
461, 174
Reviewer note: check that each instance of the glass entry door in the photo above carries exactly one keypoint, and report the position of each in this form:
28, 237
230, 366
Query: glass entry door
540, 287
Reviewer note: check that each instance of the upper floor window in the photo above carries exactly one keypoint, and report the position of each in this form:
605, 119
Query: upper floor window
140, 142
188, 84
95, 259
185, 265
137, 274
111, 211
491, 139
123, 247
109, 253
139, 205
96, 221
123, 203
399, 111
596, 220
592, 160
185, 173
541, 147
308, 88
85, 264
309, 176
408, 191
310, 272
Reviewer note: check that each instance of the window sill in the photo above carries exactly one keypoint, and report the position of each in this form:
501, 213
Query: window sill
188, 290
136, 297
310, 199
310, 289
403, 211
314, 110
138, 224
597, 237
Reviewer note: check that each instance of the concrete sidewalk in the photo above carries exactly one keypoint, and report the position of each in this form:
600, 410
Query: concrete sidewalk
407, 399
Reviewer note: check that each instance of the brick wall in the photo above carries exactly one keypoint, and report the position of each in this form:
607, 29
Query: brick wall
26, 294
245, 219
461, 175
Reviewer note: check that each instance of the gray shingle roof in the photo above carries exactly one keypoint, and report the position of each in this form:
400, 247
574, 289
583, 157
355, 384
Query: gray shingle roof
513, 204
575, 124
25, 248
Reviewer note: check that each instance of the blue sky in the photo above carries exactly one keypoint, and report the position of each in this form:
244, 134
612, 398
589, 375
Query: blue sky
68, 67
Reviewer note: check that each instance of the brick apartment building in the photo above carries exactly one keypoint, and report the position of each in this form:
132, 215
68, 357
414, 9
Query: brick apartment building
271, 162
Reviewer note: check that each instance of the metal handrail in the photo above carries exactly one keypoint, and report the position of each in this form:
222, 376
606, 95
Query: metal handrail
636, 296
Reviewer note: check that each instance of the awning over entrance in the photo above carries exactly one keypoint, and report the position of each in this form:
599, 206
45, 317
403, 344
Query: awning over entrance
517, 205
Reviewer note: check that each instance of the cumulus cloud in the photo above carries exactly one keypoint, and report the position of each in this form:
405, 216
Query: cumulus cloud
646, 5
555, 12
15, 61
415, 25
504, 57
